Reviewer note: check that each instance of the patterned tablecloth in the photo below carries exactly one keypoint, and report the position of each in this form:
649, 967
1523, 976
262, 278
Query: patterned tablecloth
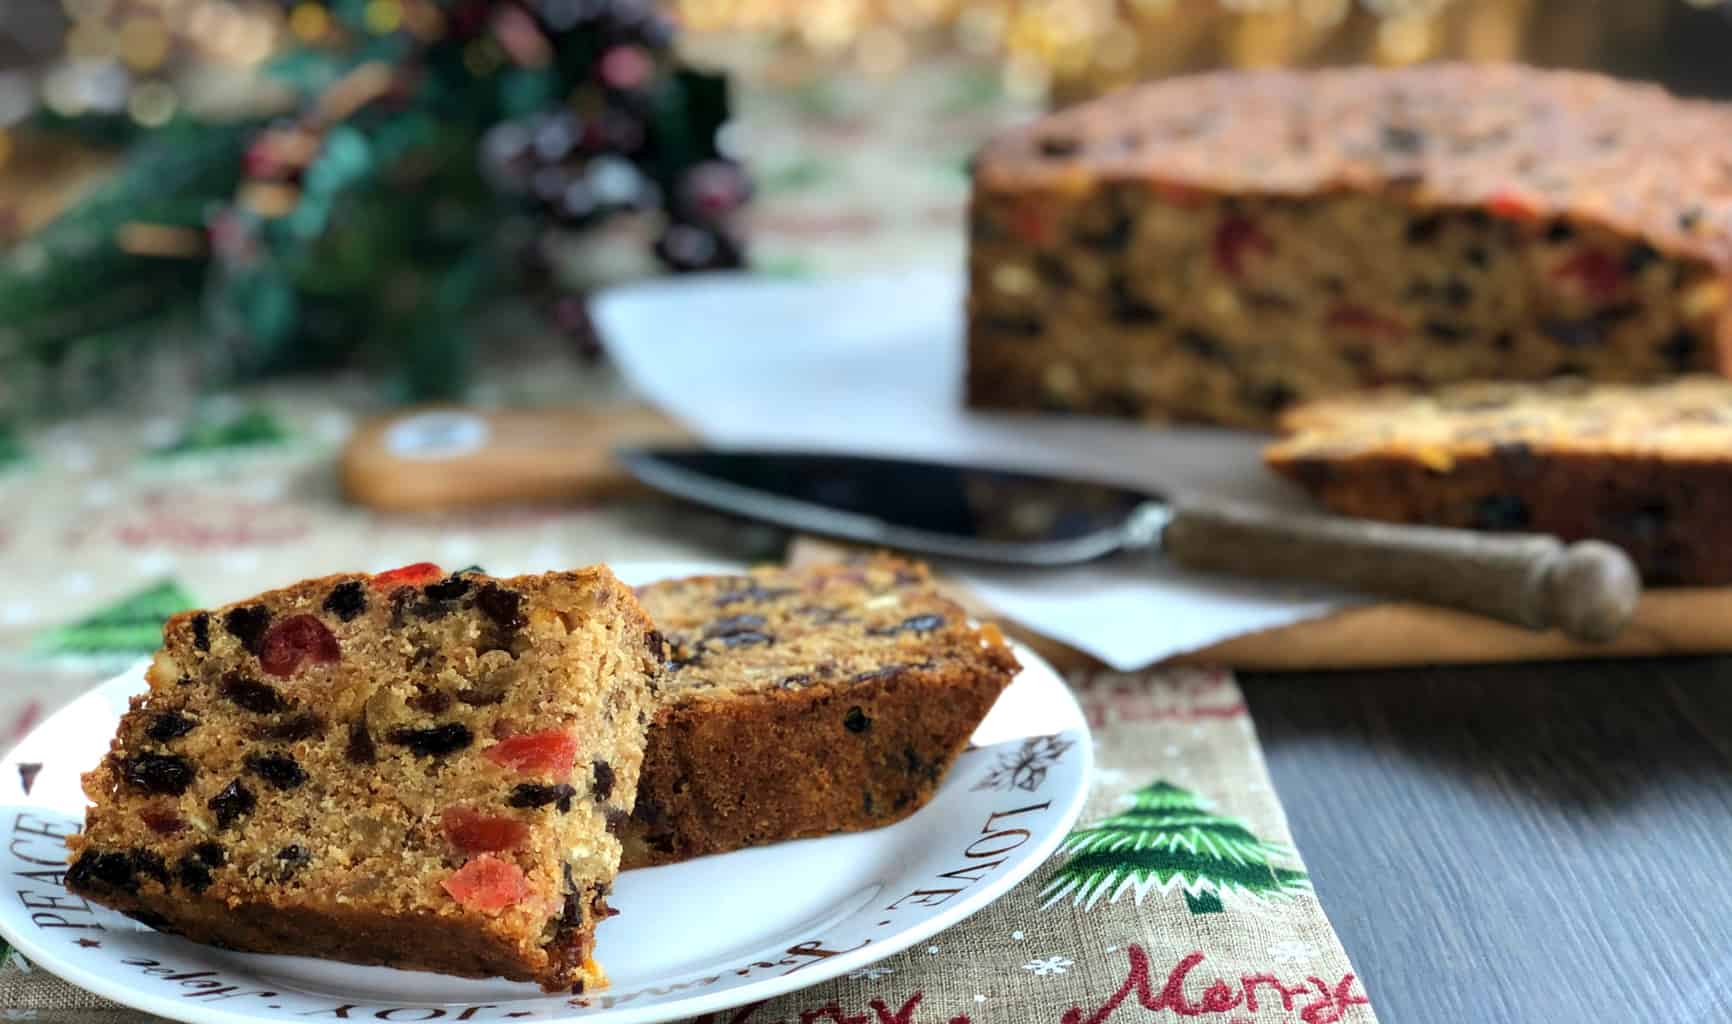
1180, 895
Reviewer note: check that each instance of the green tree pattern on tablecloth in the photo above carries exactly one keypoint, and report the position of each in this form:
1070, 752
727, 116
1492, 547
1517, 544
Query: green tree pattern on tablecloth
1169, 838
251, 429
130, 627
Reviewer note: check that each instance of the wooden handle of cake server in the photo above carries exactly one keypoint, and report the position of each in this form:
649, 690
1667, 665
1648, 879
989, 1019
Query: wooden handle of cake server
1588, 590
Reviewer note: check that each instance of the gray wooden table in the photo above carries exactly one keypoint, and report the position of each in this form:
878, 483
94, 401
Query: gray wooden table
1518, 843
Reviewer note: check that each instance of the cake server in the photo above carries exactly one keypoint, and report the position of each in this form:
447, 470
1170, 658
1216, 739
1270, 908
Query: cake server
1588, 589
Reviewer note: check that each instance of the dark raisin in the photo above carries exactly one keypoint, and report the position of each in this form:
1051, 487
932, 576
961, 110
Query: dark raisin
1054, 271
1645, 524
1680, 350
535, 794
1690, 218
1113, 237
916, 624
1500, 512
296, 727
159, 773
169, 725
504, 607
1639, 257
360, 746
195, 867
603, 779
1424, 230
280, 770
147, 862
1398, 139
247, 624
1127, 307
1447, 333
795, 682
201, 631
1515, 457
1504, 341
111, 869
1275, 397
1457, 293
1019, 326
1059, 145
887, 672
1477, 255
1585, 333
450, 588
162, 822
616, 819
347, 600
1203, 345
252, 695
856, 720
734, 624
656, 645
432, 701
752, 591
866, 801
477, 697
1559, 231
598, 903
291, 859
435, 741
234, 802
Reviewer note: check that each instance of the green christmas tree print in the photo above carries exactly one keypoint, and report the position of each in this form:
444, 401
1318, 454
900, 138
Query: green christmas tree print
252, 428
128, 628
1168, 838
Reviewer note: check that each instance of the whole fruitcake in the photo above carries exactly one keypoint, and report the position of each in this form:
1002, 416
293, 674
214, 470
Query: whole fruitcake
1218, 247
412, 769
799, 702
1645, 467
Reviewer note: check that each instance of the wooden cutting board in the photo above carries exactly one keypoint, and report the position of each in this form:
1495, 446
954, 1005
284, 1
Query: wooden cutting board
444, 457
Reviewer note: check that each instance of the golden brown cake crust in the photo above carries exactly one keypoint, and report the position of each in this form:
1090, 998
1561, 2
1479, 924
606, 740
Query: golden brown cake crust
803, 702
413, 769
1219, 247
1648, 468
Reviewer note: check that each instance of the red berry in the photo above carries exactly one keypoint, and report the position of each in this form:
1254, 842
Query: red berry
1236, 239
1510, 206
1598, 274
474, 832
409, 575
549, 753
162, 822
1357, 318
487, 884
294, 639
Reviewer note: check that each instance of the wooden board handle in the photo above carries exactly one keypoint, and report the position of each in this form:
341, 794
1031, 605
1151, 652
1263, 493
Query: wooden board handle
450, 457
1588, 590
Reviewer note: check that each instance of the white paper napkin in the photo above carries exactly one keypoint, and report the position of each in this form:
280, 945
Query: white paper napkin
874, 365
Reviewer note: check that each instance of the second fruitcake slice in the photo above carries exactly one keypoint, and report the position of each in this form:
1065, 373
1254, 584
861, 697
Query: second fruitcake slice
1645, 467
411, 769
799, 702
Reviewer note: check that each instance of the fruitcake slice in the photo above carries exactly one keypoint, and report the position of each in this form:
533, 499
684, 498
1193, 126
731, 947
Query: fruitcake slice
1645, 467
412, 769
799, 702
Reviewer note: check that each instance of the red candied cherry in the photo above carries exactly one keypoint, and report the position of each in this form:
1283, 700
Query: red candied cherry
474, 832
1598, 274
1235, 240
1350, 317
487, 884
550, 753
1511, 206
162, 822
1030, 225
408, 575
292, 640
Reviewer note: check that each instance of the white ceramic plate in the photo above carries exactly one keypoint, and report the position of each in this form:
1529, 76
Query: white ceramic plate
692, 938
